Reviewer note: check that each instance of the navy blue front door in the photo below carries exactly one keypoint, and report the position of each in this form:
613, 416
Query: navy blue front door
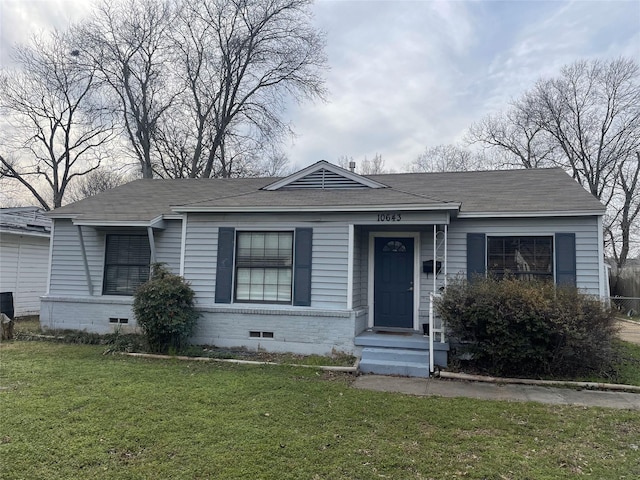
393, 282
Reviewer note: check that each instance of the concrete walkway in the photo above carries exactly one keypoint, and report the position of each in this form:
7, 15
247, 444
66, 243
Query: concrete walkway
508, 392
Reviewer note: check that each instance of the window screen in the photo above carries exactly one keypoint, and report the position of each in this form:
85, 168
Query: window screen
126, 263
264, 267
527, 258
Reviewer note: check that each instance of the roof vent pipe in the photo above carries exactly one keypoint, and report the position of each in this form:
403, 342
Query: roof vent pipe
352, 166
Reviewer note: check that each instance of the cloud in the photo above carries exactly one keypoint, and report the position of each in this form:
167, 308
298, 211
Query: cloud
410, 74
21, 19
393, 72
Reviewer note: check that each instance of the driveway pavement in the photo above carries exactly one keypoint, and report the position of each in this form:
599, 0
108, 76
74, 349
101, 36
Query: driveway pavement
490, 391
629, 331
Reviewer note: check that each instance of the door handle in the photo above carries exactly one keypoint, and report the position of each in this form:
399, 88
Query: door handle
410, 289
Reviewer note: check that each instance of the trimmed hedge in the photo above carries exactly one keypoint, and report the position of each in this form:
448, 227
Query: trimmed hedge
515, 327
164, 309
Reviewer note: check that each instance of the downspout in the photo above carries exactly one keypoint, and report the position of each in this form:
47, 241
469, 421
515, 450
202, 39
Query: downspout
84, 260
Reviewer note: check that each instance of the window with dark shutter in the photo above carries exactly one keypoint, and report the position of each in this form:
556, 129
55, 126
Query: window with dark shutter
126, 264
264, 267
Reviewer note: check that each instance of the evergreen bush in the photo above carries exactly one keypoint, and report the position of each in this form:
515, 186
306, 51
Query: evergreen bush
525, 328
165, 311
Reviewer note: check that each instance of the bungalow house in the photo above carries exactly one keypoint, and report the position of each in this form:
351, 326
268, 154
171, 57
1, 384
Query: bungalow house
322, 260
24, 259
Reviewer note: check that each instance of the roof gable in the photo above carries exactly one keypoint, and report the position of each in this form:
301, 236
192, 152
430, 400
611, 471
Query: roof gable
324, 175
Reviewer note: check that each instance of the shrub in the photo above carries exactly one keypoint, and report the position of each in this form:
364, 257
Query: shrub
516, 327
164, 309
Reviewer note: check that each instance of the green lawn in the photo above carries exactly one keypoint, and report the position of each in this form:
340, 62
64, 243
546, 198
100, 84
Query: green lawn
68, 411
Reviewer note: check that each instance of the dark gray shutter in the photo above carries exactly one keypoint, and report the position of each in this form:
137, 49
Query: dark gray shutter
302, 267
476, 255
566, 259
224, 270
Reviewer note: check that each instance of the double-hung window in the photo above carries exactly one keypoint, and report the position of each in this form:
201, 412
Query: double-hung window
264, 267
528, 258
126, 265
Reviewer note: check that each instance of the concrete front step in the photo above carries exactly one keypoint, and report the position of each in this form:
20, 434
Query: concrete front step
396, 355
405, 369
405, 354
380, 339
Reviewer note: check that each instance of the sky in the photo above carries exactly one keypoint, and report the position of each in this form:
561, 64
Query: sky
407, 75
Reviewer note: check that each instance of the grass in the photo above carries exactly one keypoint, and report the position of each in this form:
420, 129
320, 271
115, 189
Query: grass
29, 329
71, 412
628, 365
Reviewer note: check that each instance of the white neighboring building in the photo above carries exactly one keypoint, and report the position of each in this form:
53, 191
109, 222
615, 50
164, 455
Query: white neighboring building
24, 257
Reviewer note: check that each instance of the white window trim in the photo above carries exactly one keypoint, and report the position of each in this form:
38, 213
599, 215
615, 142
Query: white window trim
259, 229
521, 235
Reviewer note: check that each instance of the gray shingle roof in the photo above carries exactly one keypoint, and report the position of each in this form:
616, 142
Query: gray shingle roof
25, 220
493, 193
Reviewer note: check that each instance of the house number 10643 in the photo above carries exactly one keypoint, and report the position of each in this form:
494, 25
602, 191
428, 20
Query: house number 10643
389, 217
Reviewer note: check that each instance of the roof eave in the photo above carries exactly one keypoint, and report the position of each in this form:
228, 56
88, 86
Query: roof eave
531, 214
157, 222
316, 208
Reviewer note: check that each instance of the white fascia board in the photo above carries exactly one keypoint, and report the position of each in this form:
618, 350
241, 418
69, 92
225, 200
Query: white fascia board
327, 166
157, 222
316, 208
570, 213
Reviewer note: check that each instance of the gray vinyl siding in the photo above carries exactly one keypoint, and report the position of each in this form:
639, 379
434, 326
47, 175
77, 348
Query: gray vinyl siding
68, 276
200, 257
168, 243
67, 267
329, 259
585, 228
329, 268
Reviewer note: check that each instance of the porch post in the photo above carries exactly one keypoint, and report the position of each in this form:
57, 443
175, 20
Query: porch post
435, 256
446, 256
350, 268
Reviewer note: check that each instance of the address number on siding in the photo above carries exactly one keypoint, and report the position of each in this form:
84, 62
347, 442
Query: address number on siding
389, 217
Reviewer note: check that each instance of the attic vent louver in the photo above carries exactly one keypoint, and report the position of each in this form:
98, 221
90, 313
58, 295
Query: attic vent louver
324, 175
324, 178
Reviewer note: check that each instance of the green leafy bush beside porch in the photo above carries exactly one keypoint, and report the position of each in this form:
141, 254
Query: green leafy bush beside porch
165, 311
515, 327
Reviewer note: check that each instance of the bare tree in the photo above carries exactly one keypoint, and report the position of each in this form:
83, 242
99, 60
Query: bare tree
97, 181
591, 112
625, 212
448, 158
514, 134
374, 166
240, 62
128, 42
55, 131
586, 120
